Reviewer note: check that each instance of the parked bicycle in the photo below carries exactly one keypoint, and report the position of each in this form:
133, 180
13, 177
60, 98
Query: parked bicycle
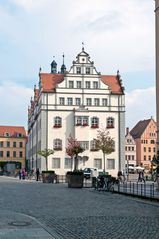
105, 183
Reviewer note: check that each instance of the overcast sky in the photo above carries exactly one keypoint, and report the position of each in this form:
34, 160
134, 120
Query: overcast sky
118, 35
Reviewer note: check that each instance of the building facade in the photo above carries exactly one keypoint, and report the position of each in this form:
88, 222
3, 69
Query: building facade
77, 102
12, 147
144, 133
130, 150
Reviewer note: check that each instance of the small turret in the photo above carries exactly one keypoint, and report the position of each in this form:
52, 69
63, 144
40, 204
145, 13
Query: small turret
63, 67
53, 67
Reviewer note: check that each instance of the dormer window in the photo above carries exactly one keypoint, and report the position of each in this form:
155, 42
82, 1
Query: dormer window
7, 134
71, 84
88, 71
88, 85
78, 70
95, 84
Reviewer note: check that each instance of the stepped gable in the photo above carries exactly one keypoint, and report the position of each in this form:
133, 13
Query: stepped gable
139, 128
49, 81
12, 130
113, 82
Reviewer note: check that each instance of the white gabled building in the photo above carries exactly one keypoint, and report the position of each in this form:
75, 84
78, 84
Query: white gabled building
77, 102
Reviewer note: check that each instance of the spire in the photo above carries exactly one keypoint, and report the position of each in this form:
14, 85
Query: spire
82, 46
53, 66
63, 67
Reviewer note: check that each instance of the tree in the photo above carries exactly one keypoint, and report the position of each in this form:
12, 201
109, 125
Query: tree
45, 153
73, 149
105, 143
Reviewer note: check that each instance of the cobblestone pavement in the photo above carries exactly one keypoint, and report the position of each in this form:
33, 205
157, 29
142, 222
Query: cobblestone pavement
81, 213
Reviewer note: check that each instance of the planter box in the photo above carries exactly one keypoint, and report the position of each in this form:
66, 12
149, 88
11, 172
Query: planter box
48, 176
75, 180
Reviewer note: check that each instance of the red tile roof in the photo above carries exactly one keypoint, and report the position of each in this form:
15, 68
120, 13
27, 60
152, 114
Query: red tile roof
12, 130
113, 82
49, 81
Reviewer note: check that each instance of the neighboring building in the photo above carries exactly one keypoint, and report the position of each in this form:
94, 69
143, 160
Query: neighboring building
12, 147
144, 133
157, 68
76, 103
130, 150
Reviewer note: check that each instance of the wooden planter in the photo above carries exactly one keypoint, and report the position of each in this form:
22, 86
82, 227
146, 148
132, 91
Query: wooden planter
75, 180
48, 176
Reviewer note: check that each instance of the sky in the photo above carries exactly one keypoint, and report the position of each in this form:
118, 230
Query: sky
118, 35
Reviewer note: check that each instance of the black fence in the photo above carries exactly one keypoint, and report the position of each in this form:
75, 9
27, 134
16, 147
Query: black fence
144, 190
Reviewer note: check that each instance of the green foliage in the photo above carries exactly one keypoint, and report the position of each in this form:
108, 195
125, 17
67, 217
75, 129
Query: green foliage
45, 153
104, 142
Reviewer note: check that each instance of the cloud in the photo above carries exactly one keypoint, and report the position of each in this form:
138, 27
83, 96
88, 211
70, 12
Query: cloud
14, 103
140, 105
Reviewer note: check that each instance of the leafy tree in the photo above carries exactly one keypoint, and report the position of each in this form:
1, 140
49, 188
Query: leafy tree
73, 149
104, 142
45, 153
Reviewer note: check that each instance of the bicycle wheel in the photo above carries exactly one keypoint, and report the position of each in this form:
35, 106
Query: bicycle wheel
111, 189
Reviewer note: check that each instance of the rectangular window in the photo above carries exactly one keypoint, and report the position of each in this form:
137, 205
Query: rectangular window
84, 120
154, 150
144, 149
14, 144
21, 144
110, 164
88, 70
84, 144
144, 157
1, 154
104, 102
79, 84
95, 84
94, 122
78, 101
69, 101
20, 154
14, 154
71, 85
56, 163
78, 70
62, 100
149, 157
8, 144
8, 154
96, 102
132, 157
57, 144
88, 101
98, 163
93, 146
68, 163
1, 143
88, 84
149, 149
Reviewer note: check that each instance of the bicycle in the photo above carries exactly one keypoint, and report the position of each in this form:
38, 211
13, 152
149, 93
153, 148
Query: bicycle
104, 184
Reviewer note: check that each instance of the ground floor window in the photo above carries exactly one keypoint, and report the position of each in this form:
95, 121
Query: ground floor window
110, 163
98, 163
68, 163
56, 163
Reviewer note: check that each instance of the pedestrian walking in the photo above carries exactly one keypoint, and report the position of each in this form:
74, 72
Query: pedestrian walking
37, 174
20, 174
141, 177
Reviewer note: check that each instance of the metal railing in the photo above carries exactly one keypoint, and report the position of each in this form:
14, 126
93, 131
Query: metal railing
144, 190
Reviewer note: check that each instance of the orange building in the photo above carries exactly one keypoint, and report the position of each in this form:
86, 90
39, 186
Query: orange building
144, 133
12, 148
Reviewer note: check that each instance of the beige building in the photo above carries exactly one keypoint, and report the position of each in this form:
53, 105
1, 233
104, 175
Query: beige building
144, 133
157, 67
12, 147
130, 150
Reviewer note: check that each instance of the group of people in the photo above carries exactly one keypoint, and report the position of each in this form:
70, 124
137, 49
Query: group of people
23, 174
